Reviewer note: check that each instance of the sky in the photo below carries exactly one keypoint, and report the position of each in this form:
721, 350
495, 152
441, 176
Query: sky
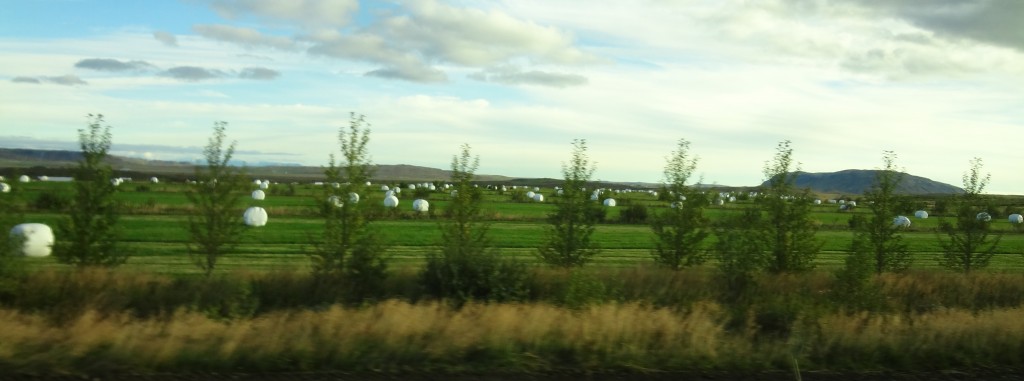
937, 82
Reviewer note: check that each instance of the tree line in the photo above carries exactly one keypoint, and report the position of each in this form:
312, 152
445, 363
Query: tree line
774, 234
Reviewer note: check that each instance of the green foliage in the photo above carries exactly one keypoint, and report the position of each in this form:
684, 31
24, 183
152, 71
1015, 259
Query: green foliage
788, 230
215, 222
741, 254
969, 244
12, 264
853, 287
350, 254
569, 235
634, 214
51, 201
584, 289
877, 238
89, 235
467, 267
682, 228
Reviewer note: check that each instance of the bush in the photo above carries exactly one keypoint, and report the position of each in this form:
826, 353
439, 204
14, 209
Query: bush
634, 214
51, 201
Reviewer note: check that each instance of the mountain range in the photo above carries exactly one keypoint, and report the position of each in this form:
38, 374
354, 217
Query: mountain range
59, 163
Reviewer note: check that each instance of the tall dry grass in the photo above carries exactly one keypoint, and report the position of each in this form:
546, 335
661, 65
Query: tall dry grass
400, 336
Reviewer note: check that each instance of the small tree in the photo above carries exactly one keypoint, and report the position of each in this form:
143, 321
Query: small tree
215, 222
88, 235
344, 216
572, 223
680, 230
11, 264
788, 230
970, 244
467, 266
877, 236
741, 254
352, 251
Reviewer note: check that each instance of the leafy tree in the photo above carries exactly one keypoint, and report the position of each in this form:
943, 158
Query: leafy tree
467, 265
680, 230
970, 244
352, 252
877, 236
787, 229
11, 264
572, 222
88, 234
215, 222
741, 254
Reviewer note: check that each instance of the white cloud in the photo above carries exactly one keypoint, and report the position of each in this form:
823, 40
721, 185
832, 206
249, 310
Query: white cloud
308, 13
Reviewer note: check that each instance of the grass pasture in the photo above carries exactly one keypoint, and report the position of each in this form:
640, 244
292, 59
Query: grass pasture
153, 228
263, 312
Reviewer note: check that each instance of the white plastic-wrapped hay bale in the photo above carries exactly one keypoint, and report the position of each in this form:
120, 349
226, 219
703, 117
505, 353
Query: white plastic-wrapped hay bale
411, 187
368, 183
852, 203
560, 192
44, 178
921, 214
844, 207
257, 182
454, 193
397, 190
536, 189
258, 195
4, 188
901, 222
984, 216
154, 180
38, 239
609, 202
719, 202
733, 199
530, 194
420, 205
24, 179
832, 201
1016, 218
116, 181
384, 188
336, 201
537, 197
265, 185
390, 202
353, 197
432, 187
255, 216
389, 193
817, 202
594, 197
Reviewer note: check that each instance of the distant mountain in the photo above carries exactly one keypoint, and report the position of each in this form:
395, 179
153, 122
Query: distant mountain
857, 181
58, 163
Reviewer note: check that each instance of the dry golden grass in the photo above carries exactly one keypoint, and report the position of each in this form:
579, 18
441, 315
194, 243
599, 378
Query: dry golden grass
396, 335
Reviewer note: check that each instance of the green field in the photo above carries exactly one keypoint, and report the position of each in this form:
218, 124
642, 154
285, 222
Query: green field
154, 219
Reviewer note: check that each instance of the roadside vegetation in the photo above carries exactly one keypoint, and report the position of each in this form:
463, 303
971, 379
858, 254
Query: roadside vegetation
491, 278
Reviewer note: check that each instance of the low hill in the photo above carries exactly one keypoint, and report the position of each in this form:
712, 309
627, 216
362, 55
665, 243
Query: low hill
857, 181
59, 163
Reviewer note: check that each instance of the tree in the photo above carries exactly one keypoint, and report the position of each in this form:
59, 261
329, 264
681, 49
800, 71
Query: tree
572, 222
351, 252
741, 254
215, 222
11, 264
467, 266
970, 244
876, 237
787, 229
88, 234
680, 230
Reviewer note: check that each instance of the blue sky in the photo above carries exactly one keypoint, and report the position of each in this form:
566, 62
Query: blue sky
518, 80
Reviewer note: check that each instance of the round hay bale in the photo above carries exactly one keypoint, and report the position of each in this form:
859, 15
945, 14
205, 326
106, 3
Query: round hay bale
4, 188
609, 202
255, 216
537, 197
154, 180
984, 216
420, 205
24, 179
38, 239
1016, 218
901, 222
353, 197
390, 201
921, 214
258, 195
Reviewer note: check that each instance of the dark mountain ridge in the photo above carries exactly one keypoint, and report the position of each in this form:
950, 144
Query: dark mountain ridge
857, 181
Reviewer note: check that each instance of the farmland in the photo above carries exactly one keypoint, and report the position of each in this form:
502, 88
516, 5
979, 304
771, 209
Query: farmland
153, 228
262, 312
